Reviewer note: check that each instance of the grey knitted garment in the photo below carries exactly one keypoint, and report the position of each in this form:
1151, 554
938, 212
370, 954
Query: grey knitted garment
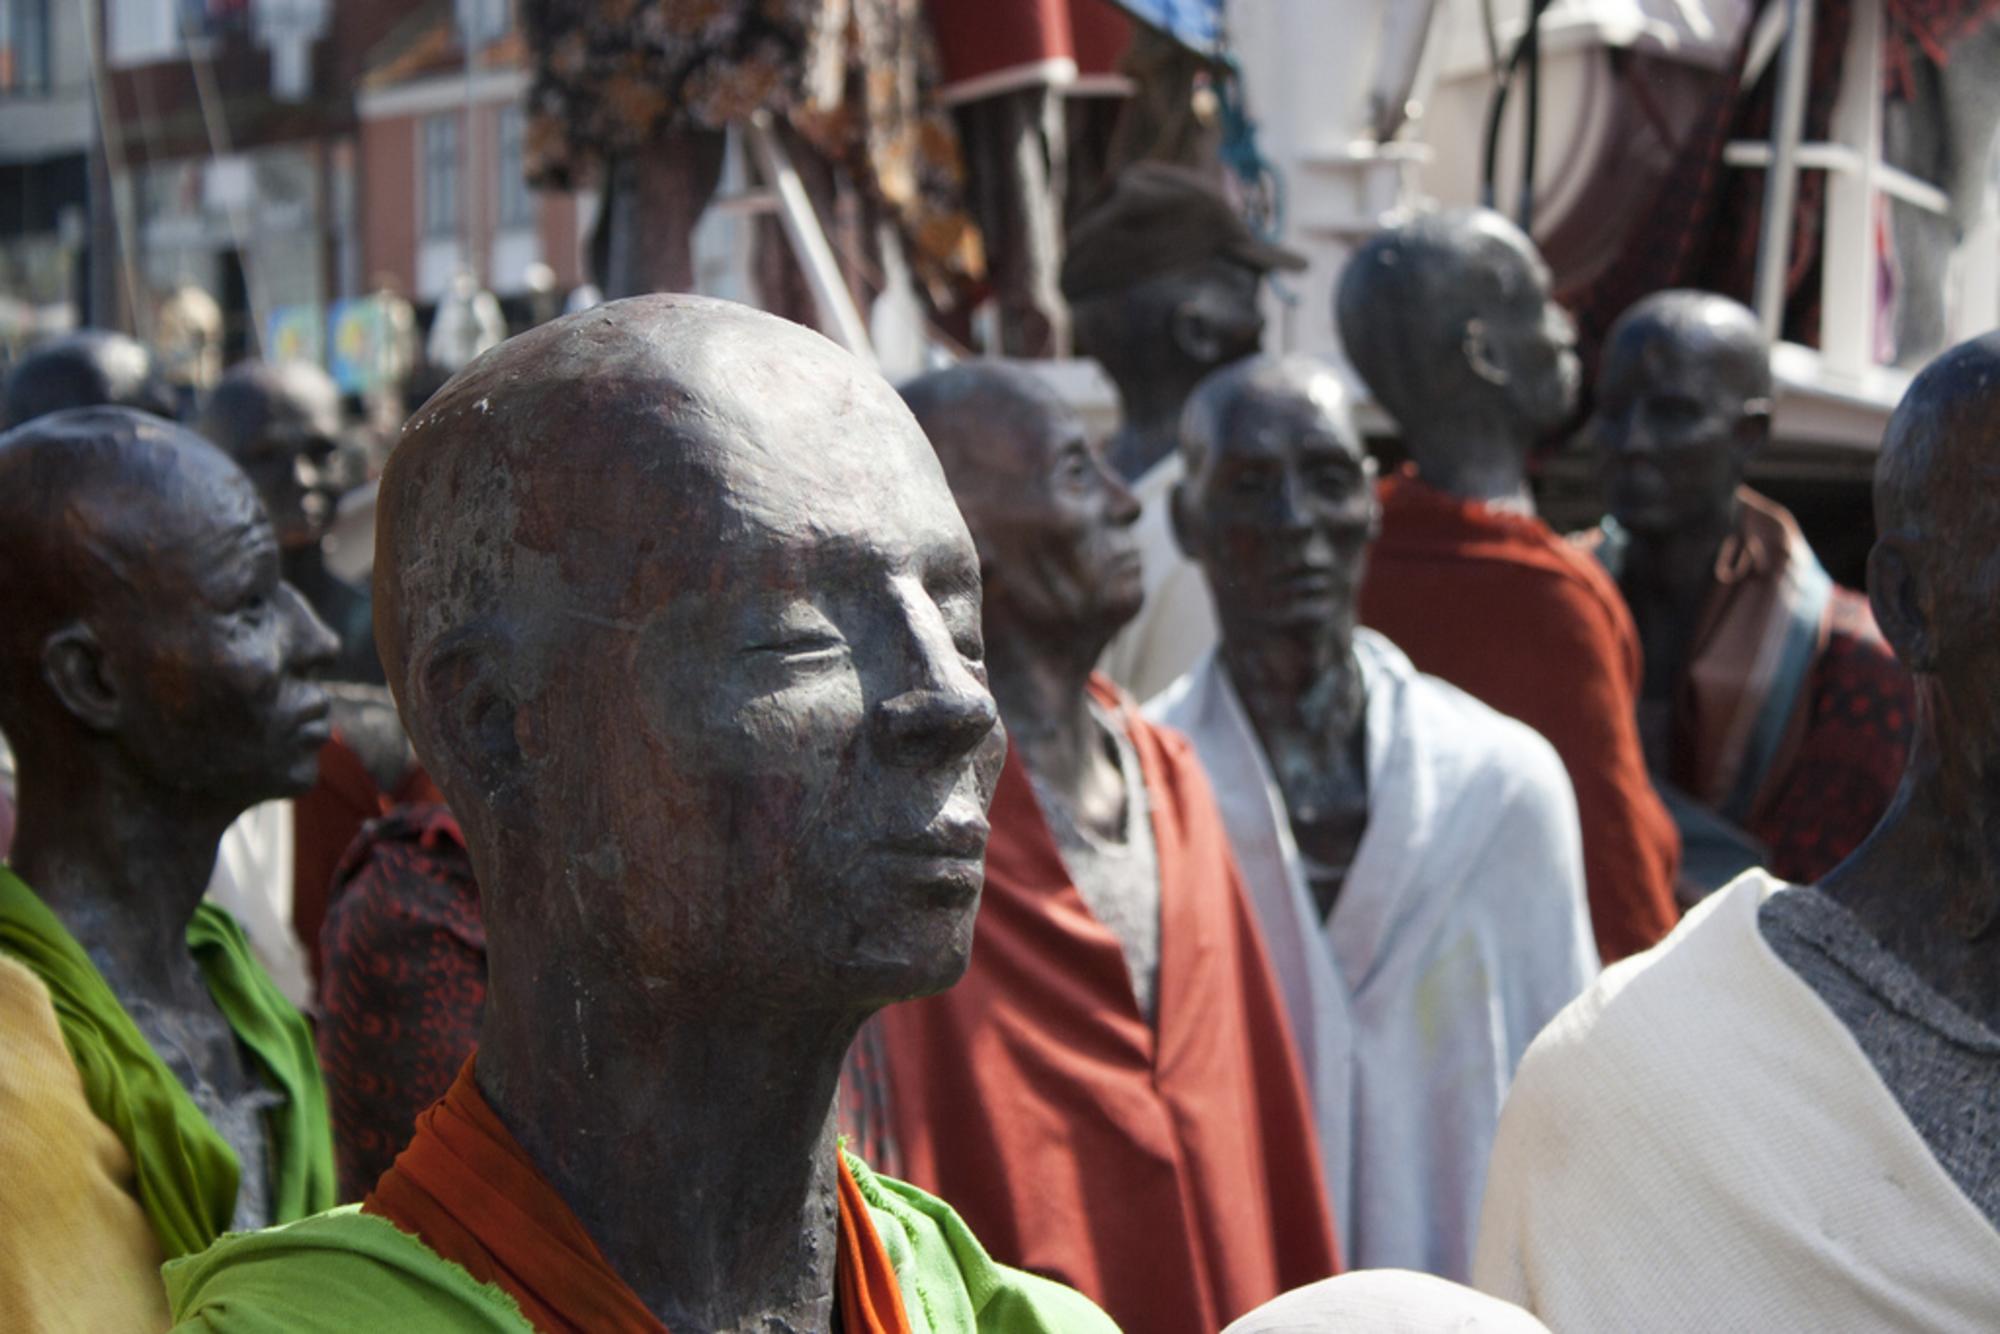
1942, 1065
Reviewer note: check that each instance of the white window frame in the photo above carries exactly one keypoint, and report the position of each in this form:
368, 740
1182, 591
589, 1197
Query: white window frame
441, 212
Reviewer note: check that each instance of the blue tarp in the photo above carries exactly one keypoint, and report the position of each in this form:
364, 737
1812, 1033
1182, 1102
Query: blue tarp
1193, 23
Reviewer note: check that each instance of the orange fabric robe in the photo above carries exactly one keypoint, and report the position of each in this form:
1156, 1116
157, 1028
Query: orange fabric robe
1171, 1175
1508, 612
466, 1189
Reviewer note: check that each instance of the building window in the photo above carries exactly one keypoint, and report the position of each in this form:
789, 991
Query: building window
483, 21
146, 32
439, 165
24, 47
517, 202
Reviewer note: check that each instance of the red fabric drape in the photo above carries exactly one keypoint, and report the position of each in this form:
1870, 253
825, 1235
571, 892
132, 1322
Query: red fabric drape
1508, 612
1169, 1173
980, 40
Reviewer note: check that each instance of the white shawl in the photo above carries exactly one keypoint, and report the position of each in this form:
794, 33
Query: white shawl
1462, 929
1700, 1143
1386, 1301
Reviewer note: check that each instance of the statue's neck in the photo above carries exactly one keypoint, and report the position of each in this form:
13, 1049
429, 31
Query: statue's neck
1305, 687
652, 1125
1474, 460
1676, 569
1041, 681
1927, 881
1150, 422
121, 864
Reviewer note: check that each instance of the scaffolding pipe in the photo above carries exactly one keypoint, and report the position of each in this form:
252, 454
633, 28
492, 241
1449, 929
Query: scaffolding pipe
1781, 181
840, 318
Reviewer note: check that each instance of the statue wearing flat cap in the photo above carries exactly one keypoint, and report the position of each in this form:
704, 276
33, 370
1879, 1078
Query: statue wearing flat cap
1163, 279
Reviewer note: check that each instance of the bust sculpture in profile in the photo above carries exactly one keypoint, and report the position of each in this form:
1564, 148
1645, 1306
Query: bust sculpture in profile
684, 623
1797, 1053
1449, 319
155, 680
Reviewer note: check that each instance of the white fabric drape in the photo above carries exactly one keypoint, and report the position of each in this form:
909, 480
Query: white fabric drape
1700, 1143
1462, 928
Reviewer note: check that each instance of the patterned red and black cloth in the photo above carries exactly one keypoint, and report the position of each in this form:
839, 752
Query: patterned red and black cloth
1851, 760
327, 820
403, 984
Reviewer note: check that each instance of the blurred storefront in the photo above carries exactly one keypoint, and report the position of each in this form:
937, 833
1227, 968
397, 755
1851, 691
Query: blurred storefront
45, 134
441, 184
230, 147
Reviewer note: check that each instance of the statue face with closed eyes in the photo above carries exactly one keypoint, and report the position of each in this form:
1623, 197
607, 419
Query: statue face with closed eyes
728, 662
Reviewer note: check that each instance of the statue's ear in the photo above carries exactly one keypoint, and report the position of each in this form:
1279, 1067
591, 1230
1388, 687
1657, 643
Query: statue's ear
1186, 524
1481, 355
1901, 605
1370, 473
75, 667
473, 714
1195, 332
1753, 430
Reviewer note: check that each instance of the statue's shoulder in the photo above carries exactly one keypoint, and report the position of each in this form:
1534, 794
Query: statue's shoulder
950, 1284
334, 1272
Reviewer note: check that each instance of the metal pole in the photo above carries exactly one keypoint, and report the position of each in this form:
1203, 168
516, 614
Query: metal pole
840, 318
114, 207
1781, 179
467, 195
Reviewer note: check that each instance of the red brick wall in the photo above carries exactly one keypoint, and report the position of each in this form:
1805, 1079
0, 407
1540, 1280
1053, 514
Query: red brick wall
387, 201
557, 215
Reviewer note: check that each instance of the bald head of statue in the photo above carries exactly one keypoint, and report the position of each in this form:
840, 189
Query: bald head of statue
1278, 502
149, 641
1449, 320
91, 368
679, 612
1934, 575
1683, 405
1051, 520
1927, 881
281, 423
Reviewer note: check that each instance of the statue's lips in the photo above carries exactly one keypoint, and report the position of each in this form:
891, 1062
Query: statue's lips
948, 860
1307, 581
1638, 486
313, 723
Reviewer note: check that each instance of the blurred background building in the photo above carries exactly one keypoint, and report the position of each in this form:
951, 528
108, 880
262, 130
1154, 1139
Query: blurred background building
315, 178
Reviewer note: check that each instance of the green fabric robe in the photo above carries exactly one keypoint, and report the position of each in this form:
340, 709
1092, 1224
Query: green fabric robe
187, 1175
347, 1270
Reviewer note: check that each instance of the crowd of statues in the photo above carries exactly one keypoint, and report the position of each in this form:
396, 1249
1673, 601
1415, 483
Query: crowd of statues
838, 857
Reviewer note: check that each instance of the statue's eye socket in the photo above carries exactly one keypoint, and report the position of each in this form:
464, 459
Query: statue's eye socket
802, 648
